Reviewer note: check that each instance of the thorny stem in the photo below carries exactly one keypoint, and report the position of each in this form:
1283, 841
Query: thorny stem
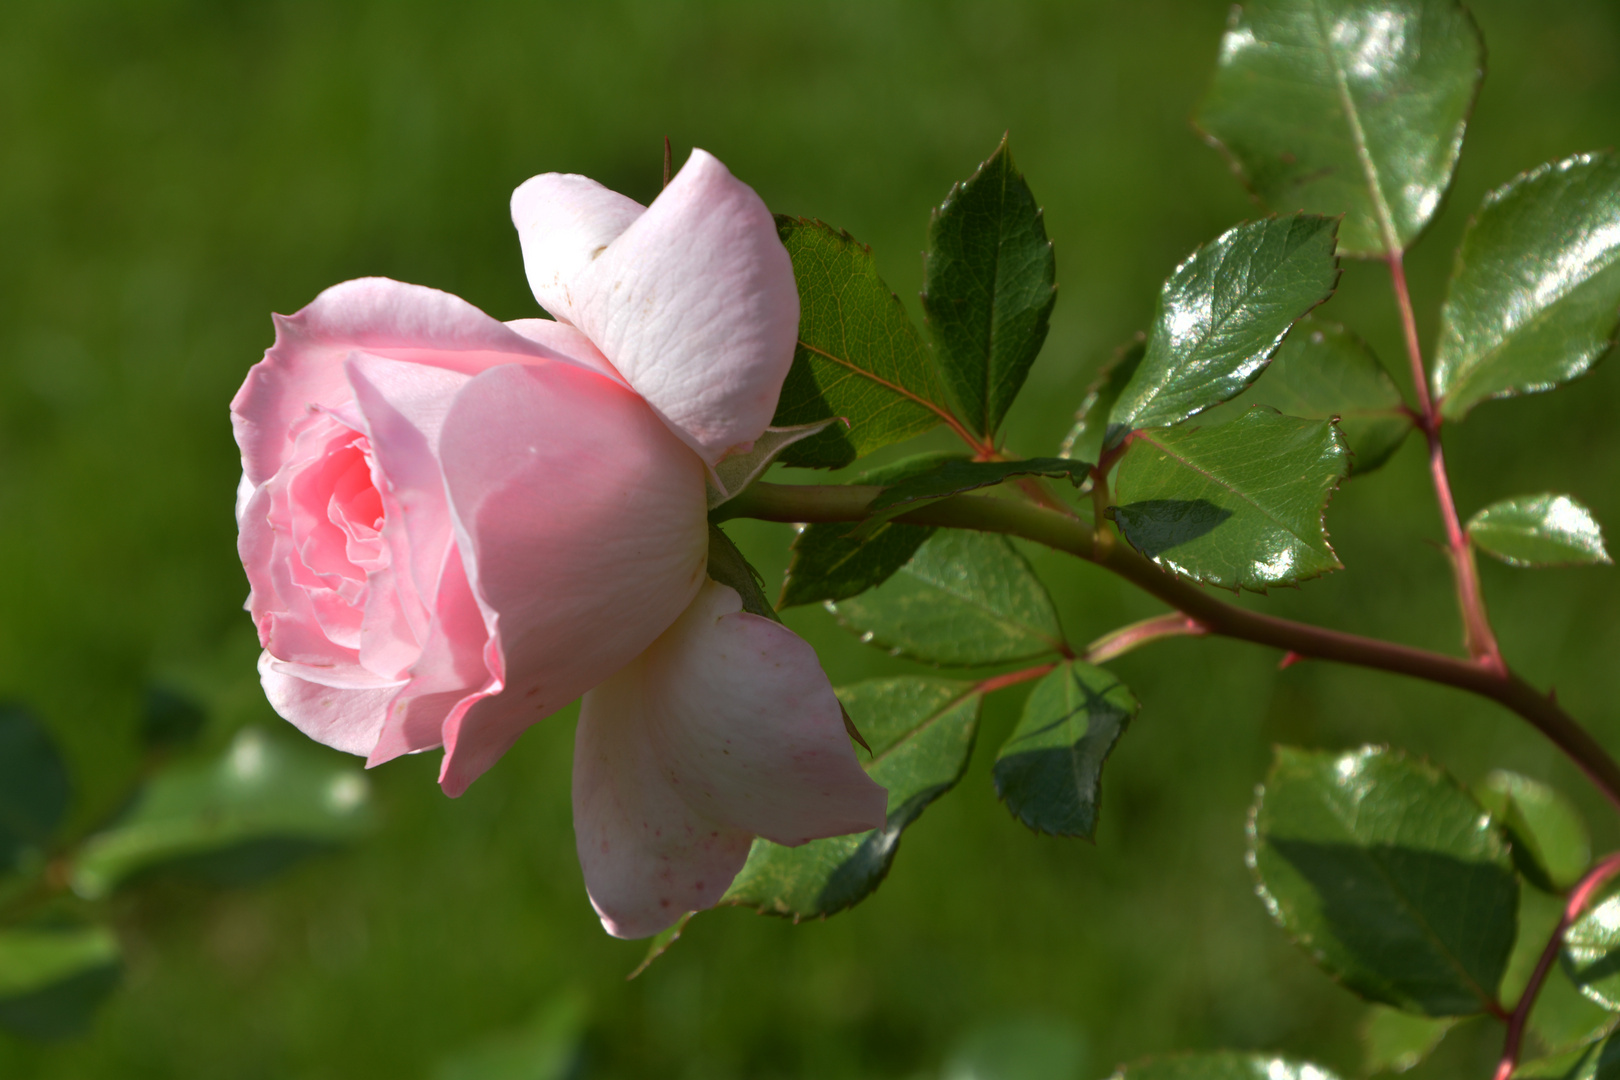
1481, 640
1579, 898
813, 503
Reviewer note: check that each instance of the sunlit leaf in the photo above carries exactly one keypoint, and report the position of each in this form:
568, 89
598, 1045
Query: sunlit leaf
1597, 1060
1563, 1018
1222, 315
253, 811
1049, 771
1222, 1065
989, 290
964, 598
1539, 530
1238, 505
1090, 432
1551, 846
1347, 107
921, 732
53, 978
34, 787
859, 356
1535, 292
1395, 1041
1389, 876
1592, 953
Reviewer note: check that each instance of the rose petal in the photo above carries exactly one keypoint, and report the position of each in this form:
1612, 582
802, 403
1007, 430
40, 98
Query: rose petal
346, 718
581, 521
724, 728
693, 301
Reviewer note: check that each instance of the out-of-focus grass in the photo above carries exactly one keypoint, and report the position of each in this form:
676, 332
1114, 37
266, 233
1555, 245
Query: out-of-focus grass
175, 170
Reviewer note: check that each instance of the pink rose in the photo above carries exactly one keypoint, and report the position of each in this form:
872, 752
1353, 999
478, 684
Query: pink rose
453, 527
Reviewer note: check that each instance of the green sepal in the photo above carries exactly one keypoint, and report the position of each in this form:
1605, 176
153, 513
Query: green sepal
729, 567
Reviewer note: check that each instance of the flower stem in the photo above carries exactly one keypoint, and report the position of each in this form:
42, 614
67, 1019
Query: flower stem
833, 502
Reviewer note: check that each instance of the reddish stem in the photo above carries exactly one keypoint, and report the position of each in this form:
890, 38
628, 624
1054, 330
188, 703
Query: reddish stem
1012, 678
1126, 638
1579, 898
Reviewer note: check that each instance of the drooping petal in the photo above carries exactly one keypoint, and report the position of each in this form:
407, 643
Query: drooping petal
348, 718
725, 728
693, 301
581, 521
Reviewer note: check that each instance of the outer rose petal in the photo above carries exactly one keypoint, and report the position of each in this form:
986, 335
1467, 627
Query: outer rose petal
347, 719
582, 525
724, 728
693, 301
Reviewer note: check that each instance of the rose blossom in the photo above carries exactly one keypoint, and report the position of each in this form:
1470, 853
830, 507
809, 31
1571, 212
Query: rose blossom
453, 527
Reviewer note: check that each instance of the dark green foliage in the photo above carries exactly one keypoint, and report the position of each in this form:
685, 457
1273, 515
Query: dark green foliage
170, 719
34, 786
52, 978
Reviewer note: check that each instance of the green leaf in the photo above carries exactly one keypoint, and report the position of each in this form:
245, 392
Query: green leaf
170, 719
1597, 1060
34, 788
53, 978
1395, 1041
1091, 433
989, 289
1539, 530
1238, 505
921, 731
550, 1047
1222, 315
1049, 771
246, 815
1551, 846
1563, 1018
1222, 1065
859, 356
956, 477
660, 943
1592, 954
728, 566
1324, 371
1347, 107
1389, 875
965, 598
831, 562
1535, 291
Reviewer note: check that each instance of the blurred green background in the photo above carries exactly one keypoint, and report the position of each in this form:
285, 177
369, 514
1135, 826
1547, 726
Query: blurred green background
175, 170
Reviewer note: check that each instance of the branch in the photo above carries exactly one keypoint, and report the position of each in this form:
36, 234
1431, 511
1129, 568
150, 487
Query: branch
834, 503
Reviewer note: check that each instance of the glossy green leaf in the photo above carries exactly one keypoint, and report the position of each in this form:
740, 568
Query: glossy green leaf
957, 477
1592, 953
1222, 1065
1597, 1060
170, 719
921, 732
859, 357
1222, 315
830, 561
1049, 771
1535, 292
1347, 107
34, 787
1240, 505
1389, 875
1090, 432
1539, 530
256, 809
53, 978
964, 598
728, 566
1324, 371
989, 289
1395, 1041
1551, 846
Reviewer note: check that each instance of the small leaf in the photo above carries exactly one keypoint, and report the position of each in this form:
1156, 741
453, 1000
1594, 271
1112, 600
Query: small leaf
1539, 530
1395, 1041
1222, 315
1221, 1065
1239, 505
830, 562
922, 733
34, 788
728, 566
1323, 371
965, 598
1389, 875
1592, 954
170, 719
1090, 433
1535, 291
1049, 771
52, 979
247, 815
957, 477
989, 290
1346, 107
1551, 846
858, 357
